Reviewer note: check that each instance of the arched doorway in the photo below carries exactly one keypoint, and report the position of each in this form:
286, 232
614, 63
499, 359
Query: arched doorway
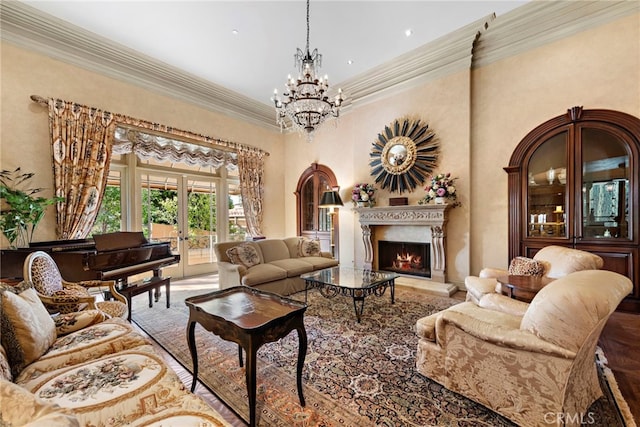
312, 221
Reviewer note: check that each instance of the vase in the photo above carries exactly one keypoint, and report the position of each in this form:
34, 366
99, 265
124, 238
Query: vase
440, 200
360, 204
551, 175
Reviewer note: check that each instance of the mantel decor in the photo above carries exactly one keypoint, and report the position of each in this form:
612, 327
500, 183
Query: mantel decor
403, 154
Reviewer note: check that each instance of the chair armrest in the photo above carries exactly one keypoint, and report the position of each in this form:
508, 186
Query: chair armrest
504, 304
490, 272
62, 299
501, 336
229, 274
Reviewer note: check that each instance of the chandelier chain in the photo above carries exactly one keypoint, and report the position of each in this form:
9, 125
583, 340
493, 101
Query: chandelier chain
308, 26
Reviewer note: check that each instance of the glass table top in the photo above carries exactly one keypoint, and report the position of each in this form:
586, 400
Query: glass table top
348, 277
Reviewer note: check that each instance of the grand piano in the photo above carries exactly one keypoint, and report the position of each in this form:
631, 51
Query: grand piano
111, 256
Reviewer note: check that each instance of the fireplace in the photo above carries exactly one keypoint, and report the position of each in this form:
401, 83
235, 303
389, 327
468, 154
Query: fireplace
405, 257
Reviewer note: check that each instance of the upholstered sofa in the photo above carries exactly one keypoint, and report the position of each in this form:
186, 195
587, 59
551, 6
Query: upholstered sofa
272, 265
83, 370
536, 368
550, 263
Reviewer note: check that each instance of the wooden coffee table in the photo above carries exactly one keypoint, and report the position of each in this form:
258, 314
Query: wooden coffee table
250, 318
353, 282
522, 288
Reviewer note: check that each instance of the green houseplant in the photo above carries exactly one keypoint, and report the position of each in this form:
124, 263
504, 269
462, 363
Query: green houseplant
21, 210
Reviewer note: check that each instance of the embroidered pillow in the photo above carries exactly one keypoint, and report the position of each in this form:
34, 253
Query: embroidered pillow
26, 409
71, 322
244, 254
27, 329
523, 266
308, 247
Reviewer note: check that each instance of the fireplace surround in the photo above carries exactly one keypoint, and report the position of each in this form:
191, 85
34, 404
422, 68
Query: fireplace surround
421, 224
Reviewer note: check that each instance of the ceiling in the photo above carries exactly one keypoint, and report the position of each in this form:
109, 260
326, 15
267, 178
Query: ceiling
198, 37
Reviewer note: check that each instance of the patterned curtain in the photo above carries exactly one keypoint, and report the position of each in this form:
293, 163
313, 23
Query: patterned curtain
251, 170
82, 139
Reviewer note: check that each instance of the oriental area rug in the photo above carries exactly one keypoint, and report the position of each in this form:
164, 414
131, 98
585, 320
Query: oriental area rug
355, 374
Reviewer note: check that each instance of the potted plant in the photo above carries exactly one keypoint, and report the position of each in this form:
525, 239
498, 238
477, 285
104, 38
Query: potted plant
21, 210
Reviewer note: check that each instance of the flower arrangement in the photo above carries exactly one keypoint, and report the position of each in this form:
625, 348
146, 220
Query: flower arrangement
363, 194
442, 185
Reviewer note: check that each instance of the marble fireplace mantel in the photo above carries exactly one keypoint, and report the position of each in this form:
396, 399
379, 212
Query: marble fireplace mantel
432, 216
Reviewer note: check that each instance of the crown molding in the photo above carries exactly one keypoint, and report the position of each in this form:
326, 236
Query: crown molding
538, 23
479, 43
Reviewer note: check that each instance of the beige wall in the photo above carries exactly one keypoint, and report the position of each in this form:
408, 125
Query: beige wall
478, 116
24, 131
596, 69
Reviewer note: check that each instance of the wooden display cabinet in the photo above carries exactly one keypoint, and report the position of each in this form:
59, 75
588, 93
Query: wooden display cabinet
573, 181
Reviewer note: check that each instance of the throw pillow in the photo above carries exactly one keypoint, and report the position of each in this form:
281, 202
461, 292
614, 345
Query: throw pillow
244, 254
27, 329
523, 266
25, 409
308, 247
71, 322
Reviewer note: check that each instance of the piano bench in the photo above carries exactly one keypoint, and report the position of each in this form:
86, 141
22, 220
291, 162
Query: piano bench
146, 285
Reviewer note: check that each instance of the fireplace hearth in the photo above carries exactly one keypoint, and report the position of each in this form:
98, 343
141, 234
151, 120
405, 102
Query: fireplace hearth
410, 258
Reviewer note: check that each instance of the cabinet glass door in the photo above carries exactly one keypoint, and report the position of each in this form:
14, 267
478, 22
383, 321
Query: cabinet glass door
605, 185
546, 183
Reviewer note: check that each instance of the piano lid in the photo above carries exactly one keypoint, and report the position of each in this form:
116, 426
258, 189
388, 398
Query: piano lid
119, 240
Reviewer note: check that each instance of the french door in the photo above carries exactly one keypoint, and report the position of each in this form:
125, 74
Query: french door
182, 209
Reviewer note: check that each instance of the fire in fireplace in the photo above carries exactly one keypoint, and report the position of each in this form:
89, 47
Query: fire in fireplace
404, 257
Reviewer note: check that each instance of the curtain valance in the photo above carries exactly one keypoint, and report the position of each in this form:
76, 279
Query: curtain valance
150, 146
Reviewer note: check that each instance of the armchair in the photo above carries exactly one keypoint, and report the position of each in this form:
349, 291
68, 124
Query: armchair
61, 296
550, 262
535, 368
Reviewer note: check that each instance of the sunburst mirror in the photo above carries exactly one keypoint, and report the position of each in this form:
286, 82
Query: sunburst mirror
404, 153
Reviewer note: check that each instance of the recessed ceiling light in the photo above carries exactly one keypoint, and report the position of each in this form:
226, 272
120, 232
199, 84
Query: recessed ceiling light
234, 32
408, 32
350, 61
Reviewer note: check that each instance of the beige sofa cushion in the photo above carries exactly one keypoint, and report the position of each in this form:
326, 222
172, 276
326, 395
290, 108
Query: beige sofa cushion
320, 262
27, 328
562, 316
273, 250
263, 273
294, 267
560, 261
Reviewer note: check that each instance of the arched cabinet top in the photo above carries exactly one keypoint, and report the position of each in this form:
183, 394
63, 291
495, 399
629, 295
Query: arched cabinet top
625, 122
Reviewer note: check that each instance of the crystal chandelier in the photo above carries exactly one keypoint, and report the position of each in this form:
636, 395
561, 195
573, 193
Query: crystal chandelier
305, 101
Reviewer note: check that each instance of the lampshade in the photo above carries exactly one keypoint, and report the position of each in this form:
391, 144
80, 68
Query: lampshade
330, 199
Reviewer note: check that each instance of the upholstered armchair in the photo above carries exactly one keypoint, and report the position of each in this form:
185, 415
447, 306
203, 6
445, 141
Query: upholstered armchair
61, 296
550, 262
532, 368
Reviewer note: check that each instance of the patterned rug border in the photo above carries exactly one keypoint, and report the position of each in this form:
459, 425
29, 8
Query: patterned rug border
325, 406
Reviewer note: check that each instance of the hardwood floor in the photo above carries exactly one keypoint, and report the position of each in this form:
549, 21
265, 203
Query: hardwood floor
620, 341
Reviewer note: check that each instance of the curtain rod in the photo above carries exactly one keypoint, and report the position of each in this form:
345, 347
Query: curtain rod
156, 126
